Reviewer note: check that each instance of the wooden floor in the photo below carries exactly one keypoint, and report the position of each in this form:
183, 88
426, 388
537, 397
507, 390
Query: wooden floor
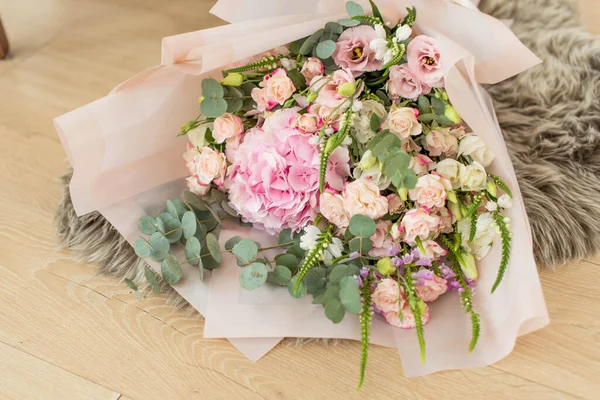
66, 334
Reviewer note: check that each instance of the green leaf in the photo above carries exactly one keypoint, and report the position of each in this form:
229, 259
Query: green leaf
443, 120
297, 78
195, 201
315, 279
331, 293
234, 105
350, 295
334, 27
301, 289
386, 143
147, 225
289, 261
232, 242
325, 49
253, 276
188, 222
354, 9
280, 275
318, 296
405, 179
173, 230
171, 209
285, 236
170, 269
201, 232
211, 89
424, 104
376, 12
160, 246
396, 163
334, 310
426, 117
375, 122
209, 263
361, 226
192, 250
296, 251
207, 218
245, 251
212, 108
348, 22
151, 278
311, 42
381, 94
131, 284
341, 271
213, 247
142, 248
361, 245
296, 45
227, 208
438, 106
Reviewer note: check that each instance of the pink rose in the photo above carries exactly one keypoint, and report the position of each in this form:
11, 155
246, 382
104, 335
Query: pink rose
312, 67
408, 318
440, 141
328, 94
395, 204
263, 103
383, 244
306, 123
275, 88
424, 61
429, 286
421, 164
402, 122
362, 197
433, 251
447, 219
418, 222
332, 207
324, 114
226, 126
231, 146
208, 166
353, 51
403, 83
195, 186
388, 297
430, 191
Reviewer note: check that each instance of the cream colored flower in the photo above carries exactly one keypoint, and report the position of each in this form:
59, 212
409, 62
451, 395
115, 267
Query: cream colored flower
430, 191
402, 122
449, 169
362, 197
227, 126
332, 208
472, 177
472, 145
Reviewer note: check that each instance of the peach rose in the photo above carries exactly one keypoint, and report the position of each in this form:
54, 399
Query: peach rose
196, 187
402, 122
362, 197
263, 103
208, 166
418, 222
429, 286
408, 318
278, 86
395, 204
421, 164
226, 126
332, 208
440, 142
433, 251
312, 67
388, 297
430, 191
306, 123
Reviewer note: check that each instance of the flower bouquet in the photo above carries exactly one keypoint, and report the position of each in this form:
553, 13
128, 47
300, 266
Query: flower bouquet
341, 157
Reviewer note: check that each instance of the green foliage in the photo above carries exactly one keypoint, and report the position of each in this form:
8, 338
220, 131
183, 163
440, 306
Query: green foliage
151, 279
325, 49
365, 319
362, 226
213, 247
386, 147
341, 271
170, 269
505, 236
399, 52
361, 245
472, 208
350, 294
280, 275
131, 284
173, 228
296, 288
354, 9
142, 248
147, 225
315, 279
188, 224
192, 250
253, 276
500, 183
232, 242
367, 18
265, 62
334, 310
314, 255
297, 78
288, 260
375, 122
473, 227
348, 22
286, 236
245, 250
416, 307
334, 28
160, 246
411, 17
213, 104
311, 42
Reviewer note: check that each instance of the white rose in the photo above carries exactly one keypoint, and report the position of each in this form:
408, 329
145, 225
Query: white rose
472, 145
361, 123
227, 126
402, 122
472, 177
196, 136
209, 165
374, 174
440, 142
505, 201
449, 169
332, 208
485, 232
362, 197
430, 191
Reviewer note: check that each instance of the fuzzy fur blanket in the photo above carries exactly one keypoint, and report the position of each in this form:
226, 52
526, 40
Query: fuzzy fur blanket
550, 119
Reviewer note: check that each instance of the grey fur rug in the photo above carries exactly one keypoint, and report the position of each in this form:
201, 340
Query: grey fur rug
550, 118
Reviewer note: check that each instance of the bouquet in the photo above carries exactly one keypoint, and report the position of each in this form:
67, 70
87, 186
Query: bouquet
346, 170
344, 144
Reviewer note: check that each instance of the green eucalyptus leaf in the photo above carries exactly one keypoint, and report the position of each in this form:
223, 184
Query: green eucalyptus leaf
311, 42
285, 236
354, 9
253, 276
334, 27
375, 122
173, 229
331, 293
188, 223
227, 208
301, 289
213, 247
361, 245
192, 250
325, 49
245, 250
341, 271
396, 163
280, 275
142, 248
211, 89
405, 179
426, 117
131, 284
318, 296
335, 311
297, 251
232, 242
439, 107
208, 219
147, 225
297, 78
151, 279
443, 120
315, 279
348, 22
424, 104
386, 143
384, 97
195, 201
160, 246
208, 262
296, 45
212, 108
170, 269
201, 232
289, 261
234, 105
350, 295
361, 226
171, 209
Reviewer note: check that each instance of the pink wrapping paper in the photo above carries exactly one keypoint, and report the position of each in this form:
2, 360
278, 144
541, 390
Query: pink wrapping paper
127, 162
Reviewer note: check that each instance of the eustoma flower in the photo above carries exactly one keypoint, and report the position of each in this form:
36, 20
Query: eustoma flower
353, 51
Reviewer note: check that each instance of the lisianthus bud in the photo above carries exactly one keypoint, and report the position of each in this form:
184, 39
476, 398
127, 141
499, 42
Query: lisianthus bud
467, 265
451, 196
367, 160
233, 79
385, 266
491, 188
312, 96
451, 114
403, 193
455, 210
347, 89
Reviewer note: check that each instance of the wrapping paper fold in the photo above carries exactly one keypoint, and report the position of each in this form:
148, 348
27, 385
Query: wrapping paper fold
127, 162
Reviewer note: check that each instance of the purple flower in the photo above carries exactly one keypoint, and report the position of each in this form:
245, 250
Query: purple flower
407, 258
424, 262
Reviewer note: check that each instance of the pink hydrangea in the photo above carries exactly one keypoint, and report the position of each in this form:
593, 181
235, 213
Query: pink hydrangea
424, 61
273, 181
353, 51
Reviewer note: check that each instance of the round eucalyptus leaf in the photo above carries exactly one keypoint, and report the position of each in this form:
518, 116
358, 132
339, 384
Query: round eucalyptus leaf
151, 278
195, 201
343, 270
212, 89
192, 250
331, 293
160, 225
201, 232
289, 261
301, 289
311, 42
315, 279
171, 209
232, 242
147, 225
173, 229
208, 262
131, 284
142, 248
212, 108
188, 223
361, 226
213, 247
325, 49
334, 310
160, 246
170, 269
234, 105
348, 22
350, 295
227, 208
280, 275
296, 251
253, 276
334, 27
286, 236
361, 245
354, 9
245, 250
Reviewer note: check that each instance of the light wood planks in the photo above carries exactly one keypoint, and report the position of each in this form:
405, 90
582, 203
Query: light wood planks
68, 334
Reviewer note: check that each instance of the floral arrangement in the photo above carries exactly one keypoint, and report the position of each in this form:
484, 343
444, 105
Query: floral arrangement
345, 145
